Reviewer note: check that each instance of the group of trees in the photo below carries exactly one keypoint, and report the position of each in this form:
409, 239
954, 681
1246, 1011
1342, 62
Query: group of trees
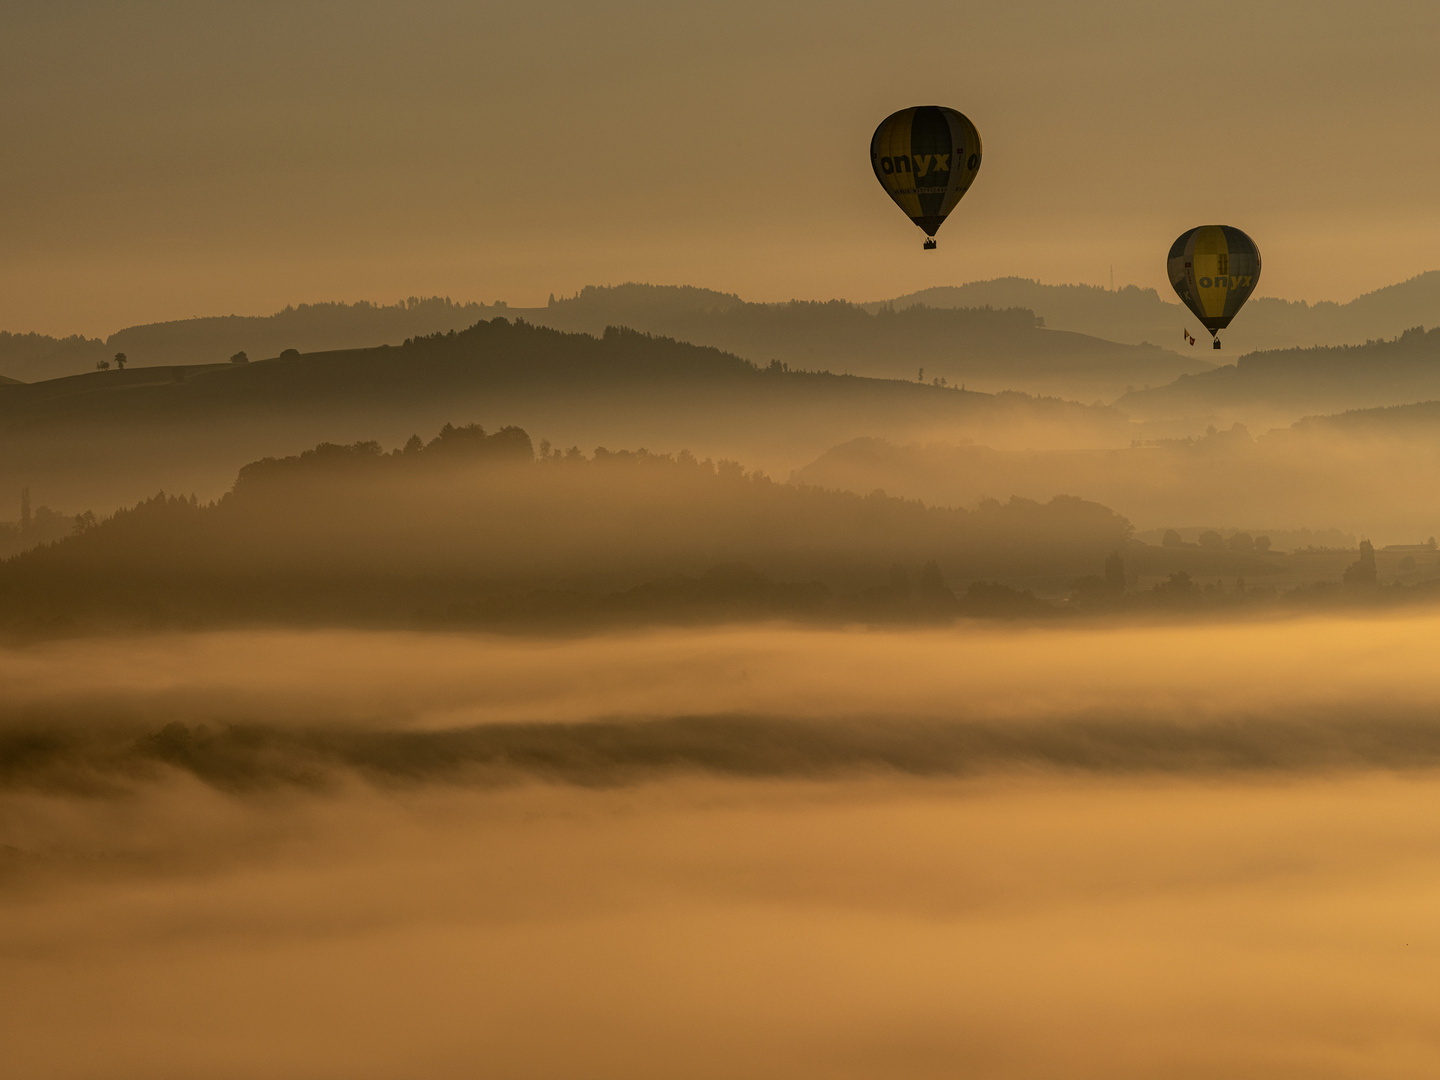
469, 516
477, 526
1214, 541
39, 525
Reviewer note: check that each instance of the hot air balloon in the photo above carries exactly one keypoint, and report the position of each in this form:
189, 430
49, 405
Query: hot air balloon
926, 158
1214, 269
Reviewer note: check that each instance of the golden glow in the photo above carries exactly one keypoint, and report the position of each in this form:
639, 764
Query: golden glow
1023, 919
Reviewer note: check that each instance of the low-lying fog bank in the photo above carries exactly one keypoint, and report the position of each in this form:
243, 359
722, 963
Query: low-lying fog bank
1093, 852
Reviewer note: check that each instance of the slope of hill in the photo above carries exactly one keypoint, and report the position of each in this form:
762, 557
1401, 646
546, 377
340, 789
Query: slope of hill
307, 327
28, 357
984, 349
633, 304
1282, 385
475, 523
106, 438
1131, 315
815, 335
1134, 315
1359, 472
990, 348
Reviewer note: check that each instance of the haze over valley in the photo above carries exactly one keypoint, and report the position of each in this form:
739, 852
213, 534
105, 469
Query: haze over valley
639, 541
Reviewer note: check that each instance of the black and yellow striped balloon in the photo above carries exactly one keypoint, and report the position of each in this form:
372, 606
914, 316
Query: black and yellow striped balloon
1214, 269
926, 158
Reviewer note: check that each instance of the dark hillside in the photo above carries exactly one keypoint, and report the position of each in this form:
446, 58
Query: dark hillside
1133, 315
1364, 472
93, 440
215, 339
984, 348
28, 357
352, 532
1286, 384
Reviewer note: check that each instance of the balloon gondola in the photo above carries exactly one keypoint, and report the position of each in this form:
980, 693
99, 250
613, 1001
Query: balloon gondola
926, 158
1214, 269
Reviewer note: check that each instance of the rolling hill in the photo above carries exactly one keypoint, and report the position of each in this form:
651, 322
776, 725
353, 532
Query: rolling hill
1133, 315
1280, 386
1358, 471
983, 349
475, 526
801, 334
307, 327
107, 438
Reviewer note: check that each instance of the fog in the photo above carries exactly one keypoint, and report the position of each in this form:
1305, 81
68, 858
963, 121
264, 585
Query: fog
1126, 851
112, 437
1356, 473
832, 658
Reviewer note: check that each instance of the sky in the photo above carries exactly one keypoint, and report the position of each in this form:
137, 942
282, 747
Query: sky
170, 159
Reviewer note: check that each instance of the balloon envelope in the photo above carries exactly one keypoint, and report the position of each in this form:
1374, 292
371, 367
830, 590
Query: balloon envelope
1214, 269
925, 158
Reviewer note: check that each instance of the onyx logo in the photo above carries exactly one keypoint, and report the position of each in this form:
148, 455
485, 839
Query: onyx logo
923, 164
1225, 281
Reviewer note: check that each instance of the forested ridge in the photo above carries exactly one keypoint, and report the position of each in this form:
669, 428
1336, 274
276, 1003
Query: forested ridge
475, 522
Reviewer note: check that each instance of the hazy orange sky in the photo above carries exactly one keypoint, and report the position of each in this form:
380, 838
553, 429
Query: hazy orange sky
169, 159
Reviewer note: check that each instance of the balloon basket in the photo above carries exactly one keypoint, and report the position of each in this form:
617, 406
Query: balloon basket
1217, 343
930, 245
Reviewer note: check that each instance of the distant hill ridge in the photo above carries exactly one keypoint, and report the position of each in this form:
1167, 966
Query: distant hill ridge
215, 339
471, 520
835, 334
1293, 382
1365, 471
986, 348
1132, 314
106, 437
989, 347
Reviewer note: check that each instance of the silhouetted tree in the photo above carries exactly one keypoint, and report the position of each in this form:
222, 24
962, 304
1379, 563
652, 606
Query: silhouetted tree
1362, 572
1262, 543
240, 358
1211, 539
900, 581
1115, 571
994, 598
1171, 539
120, 360
931, 580
1179, 586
